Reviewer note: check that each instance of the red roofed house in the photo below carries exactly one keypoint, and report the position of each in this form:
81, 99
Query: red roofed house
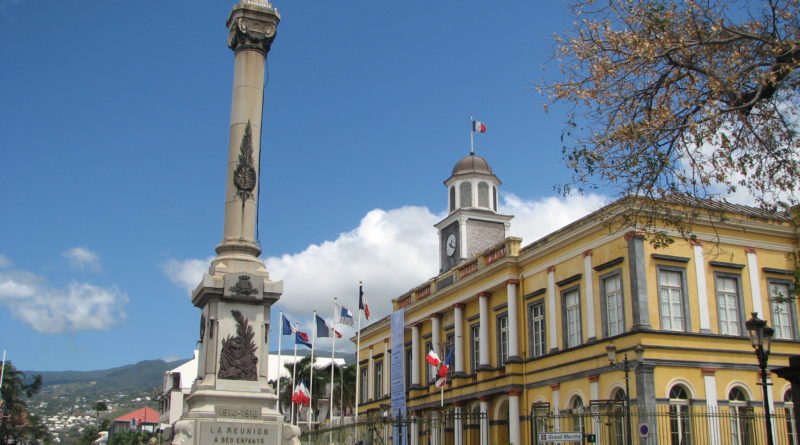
143, 419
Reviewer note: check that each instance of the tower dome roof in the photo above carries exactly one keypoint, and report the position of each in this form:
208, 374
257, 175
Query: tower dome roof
472, 164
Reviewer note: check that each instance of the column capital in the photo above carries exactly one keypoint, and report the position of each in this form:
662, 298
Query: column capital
750, 250
252, 28
594, 378
435, 315
386, 341
459, 306
634, 234
587, 252
695, 242
551, 269
514, 391
484, 398
513, 281
555, 386
483, 294
708, 372
458, 404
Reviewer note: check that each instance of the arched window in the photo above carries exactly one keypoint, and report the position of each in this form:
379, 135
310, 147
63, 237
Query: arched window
788, 411
742, 431
576, 411
452, 198
617, 423
680, 430
483, 195
466, 194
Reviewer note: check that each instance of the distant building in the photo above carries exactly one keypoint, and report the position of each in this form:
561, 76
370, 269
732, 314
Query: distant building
143, 419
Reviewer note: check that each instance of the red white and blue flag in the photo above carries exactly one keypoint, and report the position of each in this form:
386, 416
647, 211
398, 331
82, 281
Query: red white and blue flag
362, 302
478, 127
300, 395
443, 370
343, 315
432, 358
301, 338
286, 326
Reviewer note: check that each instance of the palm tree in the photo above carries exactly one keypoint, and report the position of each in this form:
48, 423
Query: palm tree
100, 406
16, 417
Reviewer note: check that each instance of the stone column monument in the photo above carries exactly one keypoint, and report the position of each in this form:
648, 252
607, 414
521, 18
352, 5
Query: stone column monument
231, 401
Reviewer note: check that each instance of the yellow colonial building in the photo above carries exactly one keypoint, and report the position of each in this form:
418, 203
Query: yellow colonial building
531, 326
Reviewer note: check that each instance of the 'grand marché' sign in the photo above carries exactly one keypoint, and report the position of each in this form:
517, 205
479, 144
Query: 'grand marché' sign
560, 437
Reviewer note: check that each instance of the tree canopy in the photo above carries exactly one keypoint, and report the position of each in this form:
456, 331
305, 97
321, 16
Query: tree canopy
691, 98
17, 421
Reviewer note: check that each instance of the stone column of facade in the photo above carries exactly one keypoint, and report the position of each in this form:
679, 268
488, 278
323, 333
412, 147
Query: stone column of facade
483, 331
755, 281
513, 323
551, 307
640, 308
702, 287
458, 321
514, 432
484, 409
646, 400
370, 375
588, 291
710, 383
414, 430
387, 368
415, 356
594, 394
555, 406
458, 434
436, 335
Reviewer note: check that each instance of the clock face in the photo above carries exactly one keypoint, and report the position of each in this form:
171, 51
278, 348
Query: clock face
451, 245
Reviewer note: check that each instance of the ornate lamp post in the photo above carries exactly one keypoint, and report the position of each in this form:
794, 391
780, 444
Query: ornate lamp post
626, 366
759, 333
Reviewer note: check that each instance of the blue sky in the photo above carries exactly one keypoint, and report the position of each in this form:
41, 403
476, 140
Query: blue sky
113, 138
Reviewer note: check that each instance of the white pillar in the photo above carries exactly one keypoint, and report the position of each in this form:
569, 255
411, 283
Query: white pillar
483, 303
513, 325
588, 290
458, 317
436, 341
514, 435
702, 287
551, 306
458, 433
710, 382
556, 405
594, 394
484, 407
414, 431
755, 282
436, 427
371, 377
415, 353
387, 367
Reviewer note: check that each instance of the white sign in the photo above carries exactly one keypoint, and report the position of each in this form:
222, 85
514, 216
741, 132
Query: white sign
560, 437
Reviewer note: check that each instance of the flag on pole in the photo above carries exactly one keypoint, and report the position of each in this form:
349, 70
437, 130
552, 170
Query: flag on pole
432, 358
300, 395
478, 127
343, 315
287, 326
443, 370
337, 333
362, 302
301, 338
322, 328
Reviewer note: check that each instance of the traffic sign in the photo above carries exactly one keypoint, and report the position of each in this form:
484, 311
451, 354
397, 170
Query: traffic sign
561, 437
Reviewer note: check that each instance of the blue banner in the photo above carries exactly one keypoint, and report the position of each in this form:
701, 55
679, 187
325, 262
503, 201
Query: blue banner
398, 382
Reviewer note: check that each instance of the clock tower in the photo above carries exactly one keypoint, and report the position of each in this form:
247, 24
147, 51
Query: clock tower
472, 223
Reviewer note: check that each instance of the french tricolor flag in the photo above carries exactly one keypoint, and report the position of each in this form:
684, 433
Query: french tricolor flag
478, 127
433, 359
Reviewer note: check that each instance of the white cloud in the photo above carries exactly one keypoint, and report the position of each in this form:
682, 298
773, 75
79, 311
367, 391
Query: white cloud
536, 219
390, 251
83, 259
4, 261
78, 306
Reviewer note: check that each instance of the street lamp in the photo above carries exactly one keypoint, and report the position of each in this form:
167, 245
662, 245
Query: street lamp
759, 332
626, 366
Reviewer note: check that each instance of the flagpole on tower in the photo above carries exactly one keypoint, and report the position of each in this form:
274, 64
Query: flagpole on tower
358, 353
333, 366
471, 135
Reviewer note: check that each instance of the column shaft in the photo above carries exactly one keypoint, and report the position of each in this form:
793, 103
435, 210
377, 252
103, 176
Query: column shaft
483, 358
415, 355
513, 420
513, 325
459, 337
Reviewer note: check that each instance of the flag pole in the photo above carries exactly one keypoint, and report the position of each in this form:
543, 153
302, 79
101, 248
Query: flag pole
294, 372
471, 135
311, 375
280, 362
358, 353
333, 355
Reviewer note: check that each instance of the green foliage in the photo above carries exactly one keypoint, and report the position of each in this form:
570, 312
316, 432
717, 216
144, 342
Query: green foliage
17, 421
131, 438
